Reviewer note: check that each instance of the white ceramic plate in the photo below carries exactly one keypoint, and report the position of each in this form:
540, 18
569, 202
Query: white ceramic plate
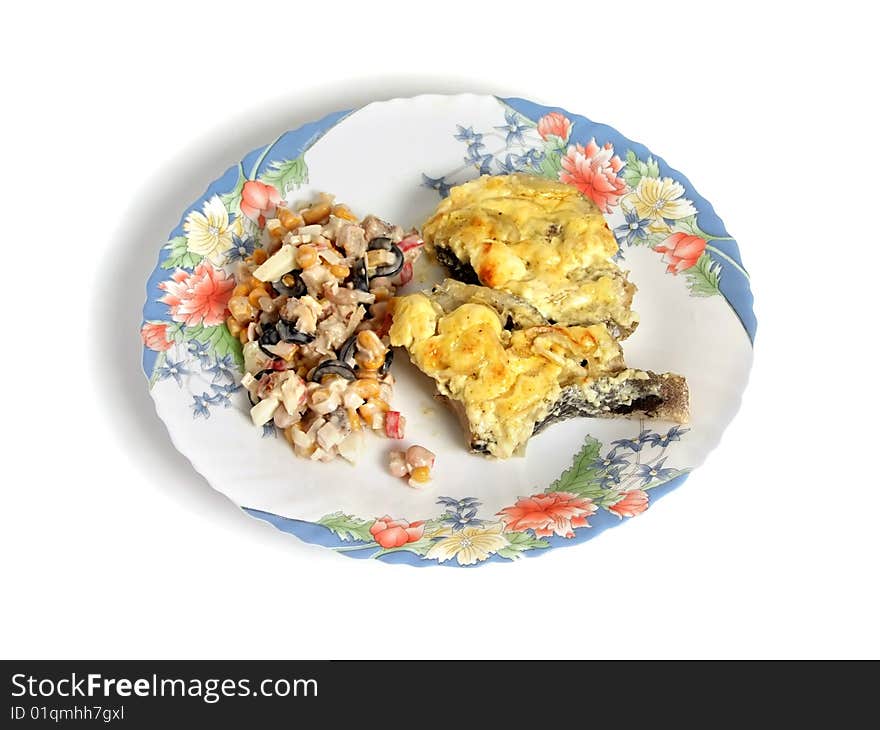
396, 159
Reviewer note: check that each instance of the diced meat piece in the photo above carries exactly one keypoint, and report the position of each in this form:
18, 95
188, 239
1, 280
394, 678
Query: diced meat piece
397, 464
329, 436
417, 456
375, 228
345, 296
333, 227
352, 240
315, 277
303, 311
293, 394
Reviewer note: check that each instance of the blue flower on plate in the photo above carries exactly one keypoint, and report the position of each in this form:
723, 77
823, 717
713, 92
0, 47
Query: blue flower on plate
634, 228
223, 367
439, 184
611, 477
241, 248
201, 404
199, 350
171, 369
673, 434
514, 128
654, 472
646, 436
510, 164
475, 149
532, 157
222, 393
467, 135
611, 460
460, 513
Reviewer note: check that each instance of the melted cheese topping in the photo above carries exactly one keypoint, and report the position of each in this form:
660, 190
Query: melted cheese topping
505, 381
539, 239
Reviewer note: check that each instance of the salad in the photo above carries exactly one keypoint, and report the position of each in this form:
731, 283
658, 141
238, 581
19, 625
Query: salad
310, 307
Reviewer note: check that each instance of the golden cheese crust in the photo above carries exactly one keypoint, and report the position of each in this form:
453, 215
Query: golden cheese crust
538, 239
506, 381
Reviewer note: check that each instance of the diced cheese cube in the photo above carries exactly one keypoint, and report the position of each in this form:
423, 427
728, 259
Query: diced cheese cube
264, 410
277, 265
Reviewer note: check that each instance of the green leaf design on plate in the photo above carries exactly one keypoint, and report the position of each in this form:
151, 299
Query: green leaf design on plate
550, 165
654, 238
636, 169
347, 527
180, 257
175, 332
219, 339
519, 542
232, 199
285, 175
583, 476
704, 277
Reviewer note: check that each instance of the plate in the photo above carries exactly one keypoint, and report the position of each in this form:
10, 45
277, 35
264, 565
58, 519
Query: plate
396, 159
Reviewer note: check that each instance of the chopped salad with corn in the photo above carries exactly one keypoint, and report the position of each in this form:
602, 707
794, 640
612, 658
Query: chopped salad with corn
310, 307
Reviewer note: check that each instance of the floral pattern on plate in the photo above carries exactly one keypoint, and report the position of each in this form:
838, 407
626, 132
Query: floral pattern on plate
642, 206
189, 349
616, 481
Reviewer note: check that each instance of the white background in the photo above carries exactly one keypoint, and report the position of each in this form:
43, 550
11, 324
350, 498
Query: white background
116, 116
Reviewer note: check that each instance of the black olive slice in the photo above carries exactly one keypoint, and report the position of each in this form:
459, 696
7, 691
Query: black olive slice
380, 243
290, 285
386, 366
289, 333
332, 367
346, 350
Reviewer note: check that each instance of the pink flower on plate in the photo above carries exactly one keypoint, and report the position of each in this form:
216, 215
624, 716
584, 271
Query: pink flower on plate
556, 125
547, 514
681, 251
396, 533
198, 298
258, 201
153, 336
593, 170
633, 503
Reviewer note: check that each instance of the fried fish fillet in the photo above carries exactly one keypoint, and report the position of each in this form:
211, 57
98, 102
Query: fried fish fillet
508, 373
539, 239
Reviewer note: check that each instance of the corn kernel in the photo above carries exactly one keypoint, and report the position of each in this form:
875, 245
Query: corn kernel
317, 213
340, 271
378, 403
290, 220
242, 290
257, 294
241, 309
242, 337
306, 256
366, 361
342, 211
421, 474
254, 283
366, 389
233, 326
259, 256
